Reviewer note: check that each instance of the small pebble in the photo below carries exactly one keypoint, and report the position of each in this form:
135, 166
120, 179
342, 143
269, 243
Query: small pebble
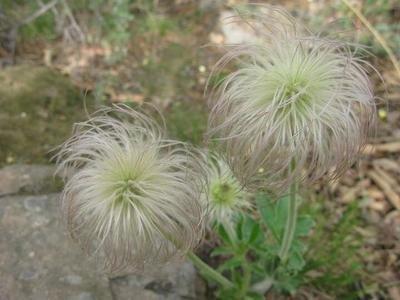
28, 275
72, 279
83, 296
202, 69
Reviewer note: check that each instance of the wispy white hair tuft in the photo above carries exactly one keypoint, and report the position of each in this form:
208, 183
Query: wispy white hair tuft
296, 101
226, 198
134, 197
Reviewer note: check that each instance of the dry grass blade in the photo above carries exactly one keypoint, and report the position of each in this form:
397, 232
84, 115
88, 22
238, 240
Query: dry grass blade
392, 147
392, 196
376, 34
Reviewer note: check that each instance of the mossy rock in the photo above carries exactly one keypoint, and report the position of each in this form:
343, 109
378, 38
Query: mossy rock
38, 108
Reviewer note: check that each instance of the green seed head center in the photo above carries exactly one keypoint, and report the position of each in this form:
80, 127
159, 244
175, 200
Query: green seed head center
127, 191
222, 193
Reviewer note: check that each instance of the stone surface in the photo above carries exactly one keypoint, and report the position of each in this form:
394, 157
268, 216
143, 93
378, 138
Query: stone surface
174, 282
37, 258
39, 261
210, 5
27, 178
234, 30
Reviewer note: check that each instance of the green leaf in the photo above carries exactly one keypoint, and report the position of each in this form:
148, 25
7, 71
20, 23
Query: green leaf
267, 212
255, 296
298, 246
221, 251
237, 278
304, 225
273, 214
296, 262
230, 264
258, 269
288, 284
223, 234
250, 230
255, 234
239, 226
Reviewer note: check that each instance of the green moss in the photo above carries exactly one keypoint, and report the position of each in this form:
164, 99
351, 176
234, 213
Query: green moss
39, 107
169, 73
187, 122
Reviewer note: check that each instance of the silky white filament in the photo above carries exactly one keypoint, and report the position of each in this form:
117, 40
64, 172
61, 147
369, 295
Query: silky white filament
296, 101
133, 198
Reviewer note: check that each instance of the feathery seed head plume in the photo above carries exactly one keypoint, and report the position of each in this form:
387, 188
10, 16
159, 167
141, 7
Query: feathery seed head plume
134, 197
226, 197
297, 101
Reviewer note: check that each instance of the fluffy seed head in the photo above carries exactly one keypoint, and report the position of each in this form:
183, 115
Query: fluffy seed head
226, 197
296, 101
133, 197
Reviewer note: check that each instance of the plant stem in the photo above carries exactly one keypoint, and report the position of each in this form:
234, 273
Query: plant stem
246, 278
290, 227
209, 272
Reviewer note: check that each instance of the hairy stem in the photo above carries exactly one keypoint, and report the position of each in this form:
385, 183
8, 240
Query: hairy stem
209, 272
246, 278
290, 227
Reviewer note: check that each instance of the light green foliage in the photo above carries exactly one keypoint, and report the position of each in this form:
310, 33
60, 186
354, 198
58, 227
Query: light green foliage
379, 12
42, 27
335, 252
251, 260
251, 251
117, 23
42, 106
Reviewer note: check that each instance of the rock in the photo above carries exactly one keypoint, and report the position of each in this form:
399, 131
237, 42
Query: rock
83, 296
235, 32
210, 5
72, 279
38, 260
173, 282
27, 178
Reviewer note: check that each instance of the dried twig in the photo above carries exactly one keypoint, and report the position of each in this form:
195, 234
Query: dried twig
387, 164
376, 34
74, 23
386, 187
385, 176
393, 147
59, 19
37, 13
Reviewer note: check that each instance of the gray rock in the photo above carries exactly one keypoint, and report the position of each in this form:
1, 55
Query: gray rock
238, 32
173, 282
72, 279
27, 178
209, 5
39, 261
29, 275
37, 258
83, 296
35, 204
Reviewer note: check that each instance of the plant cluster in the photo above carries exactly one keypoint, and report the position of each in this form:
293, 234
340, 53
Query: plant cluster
298, 108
